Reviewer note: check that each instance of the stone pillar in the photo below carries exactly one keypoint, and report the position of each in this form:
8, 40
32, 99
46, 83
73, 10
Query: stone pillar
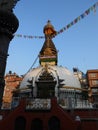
8, 26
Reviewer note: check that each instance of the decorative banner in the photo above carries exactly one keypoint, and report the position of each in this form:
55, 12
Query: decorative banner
38, 104
92, 8
28, 36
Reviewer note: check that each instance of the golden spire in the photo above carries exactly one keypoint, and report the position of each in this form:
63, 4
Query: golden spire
49, 29
48, 53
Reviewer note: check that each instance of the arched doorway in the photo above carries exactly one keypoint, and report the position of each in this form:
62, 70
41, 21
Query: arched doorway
37, 124
20, 123
54, 123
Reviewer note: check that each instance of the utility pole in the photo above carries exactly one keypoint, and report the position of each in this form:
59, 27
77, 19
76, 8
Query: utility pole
8, 26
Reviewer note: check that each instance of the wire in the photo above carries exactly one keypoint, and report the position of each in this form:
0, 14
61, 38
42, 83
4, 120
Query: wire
32, 64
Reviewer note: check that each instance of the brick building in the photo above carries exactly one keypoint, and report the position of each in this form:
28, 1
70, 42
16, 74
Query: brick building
12, 81
92, 77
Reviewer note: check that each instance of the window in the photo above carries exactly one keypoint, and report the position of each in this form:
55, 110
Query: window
54, 122
37, 124
94, 82
20, 123
92, 75
95, 90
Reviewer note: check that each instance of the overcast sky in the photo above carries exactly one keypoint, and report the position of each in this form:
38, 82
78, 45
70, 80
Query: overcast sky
77, 46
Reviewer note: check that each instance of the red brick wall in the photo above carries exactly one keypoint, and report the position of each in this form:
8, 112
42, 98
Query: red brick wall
12, 81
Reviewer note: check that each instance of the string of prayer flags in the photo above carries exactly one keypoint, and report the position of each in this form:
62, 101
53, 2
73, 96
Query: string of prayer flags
92, 8
28, 36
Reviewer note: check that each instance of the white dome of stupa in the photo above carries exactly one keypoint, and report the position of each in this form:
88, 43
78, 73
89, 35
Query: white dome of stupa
69, 80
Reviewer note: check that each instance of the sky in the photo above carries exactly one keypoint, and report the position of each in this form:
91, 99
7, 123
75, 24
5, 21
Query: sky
77, 46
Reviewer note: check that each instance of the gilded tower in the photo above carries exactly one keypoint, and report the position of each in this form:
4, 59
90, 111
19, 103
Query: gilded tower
48, 53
